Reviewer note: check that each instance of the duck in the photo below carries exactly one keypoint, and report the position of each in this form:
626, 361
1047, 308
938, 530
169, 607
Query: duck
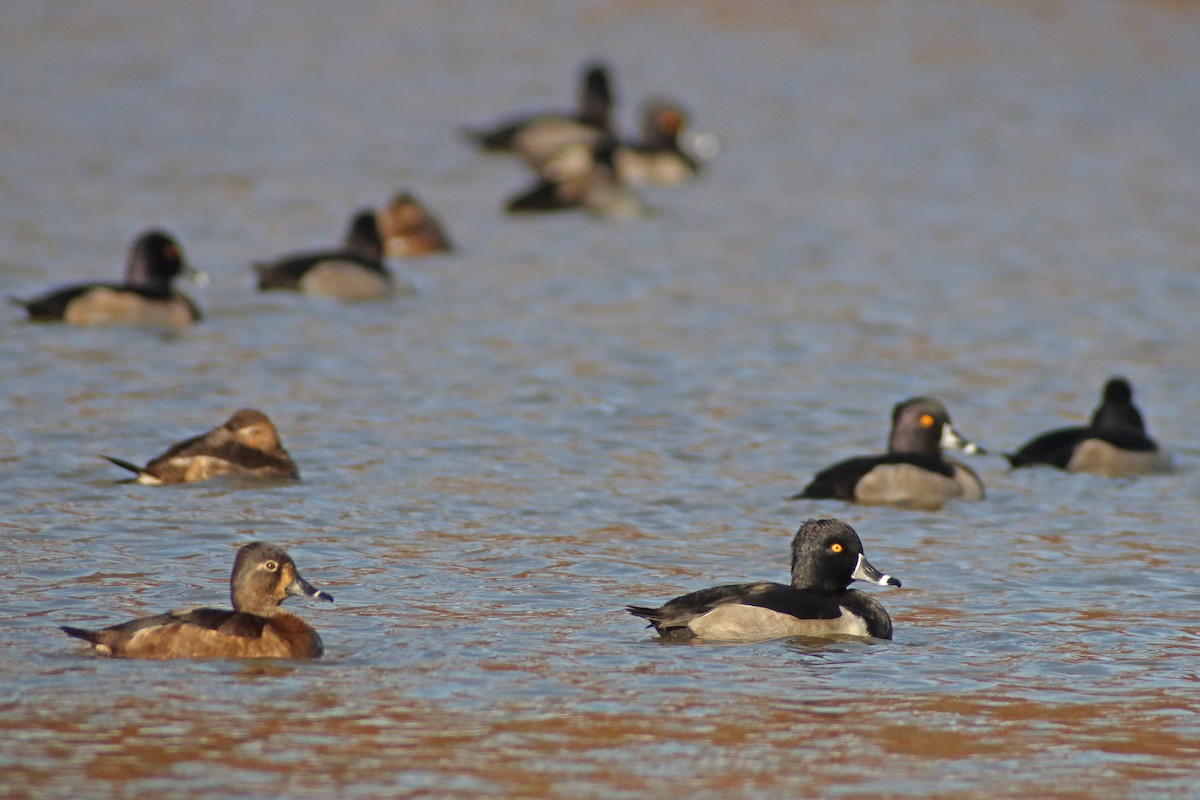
827, 555
409, 229
537, 137
659, 159
353, 272
264, 575
147, 298
1113, 444
913, 472
245, 444
580, 177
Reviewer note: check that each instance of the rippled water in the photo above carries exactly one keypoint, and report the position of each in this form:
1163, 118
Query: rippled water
994, 203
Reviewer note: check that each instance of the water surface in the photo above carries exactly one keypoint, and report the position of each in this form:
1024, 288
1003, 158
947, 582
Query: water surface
992, 203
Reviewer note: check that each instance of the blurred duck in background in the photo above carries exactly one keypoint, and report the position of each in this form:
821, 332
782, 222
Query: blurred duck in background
409, 229
146, 298
662, 157
537, 137
245, 444
580, 177
353, 272
1114, 443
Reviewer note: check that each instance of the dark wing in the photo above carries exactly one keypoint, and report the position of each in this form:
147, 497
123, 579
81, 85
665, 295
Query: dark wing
194, 446
1126, 440
778, 597
287, 272
241, 459
1054, 448
838, 482
545, 195
53, 306
229, 623
879, 624
128, 629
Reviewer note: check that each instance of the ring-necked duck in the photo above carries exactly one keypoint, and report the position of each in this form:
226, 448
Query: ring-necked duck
354, 272
146, 298
913, 472
245, 444
1114, 444
410, 229
826, 556
263, 577
580, 177
536, 137
658, 159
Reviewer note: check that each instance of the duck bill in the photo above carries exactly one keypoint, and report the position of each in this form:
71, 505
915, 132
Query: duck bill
863, 571
952, 438
302, 587
197, 276
701, 145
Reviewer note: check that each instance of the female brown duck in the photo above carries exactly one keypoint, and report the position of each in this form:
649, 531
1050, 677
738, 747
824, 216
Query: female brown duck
245, 444
263, 577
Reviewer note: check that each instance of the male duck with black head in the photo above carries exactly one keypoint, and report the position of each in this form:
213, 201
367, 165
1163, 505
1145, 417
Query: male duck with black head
913, 472
257, 627
245, 444
1114, 444
827, 556
660, 158
147, 297
353, 272
537, 137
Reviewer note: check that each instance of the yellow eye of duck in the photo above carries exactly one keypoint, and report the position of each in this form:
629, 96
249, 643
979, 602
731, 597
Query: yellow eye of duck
926, 420
270, 566
835, 547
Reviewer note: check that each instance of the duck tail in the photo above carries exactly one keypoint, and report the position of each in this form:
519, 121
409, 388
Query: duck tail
644, 612
81, 633
123, 464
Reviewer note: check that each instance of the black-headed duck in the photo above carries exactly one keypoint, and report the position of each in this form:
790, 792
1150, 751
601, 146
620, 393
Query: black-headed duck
659, 158
353, 272
827, 556
1115, 443
537, 137
245, 444
146, 298
409, 229
257, 627
913, 472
